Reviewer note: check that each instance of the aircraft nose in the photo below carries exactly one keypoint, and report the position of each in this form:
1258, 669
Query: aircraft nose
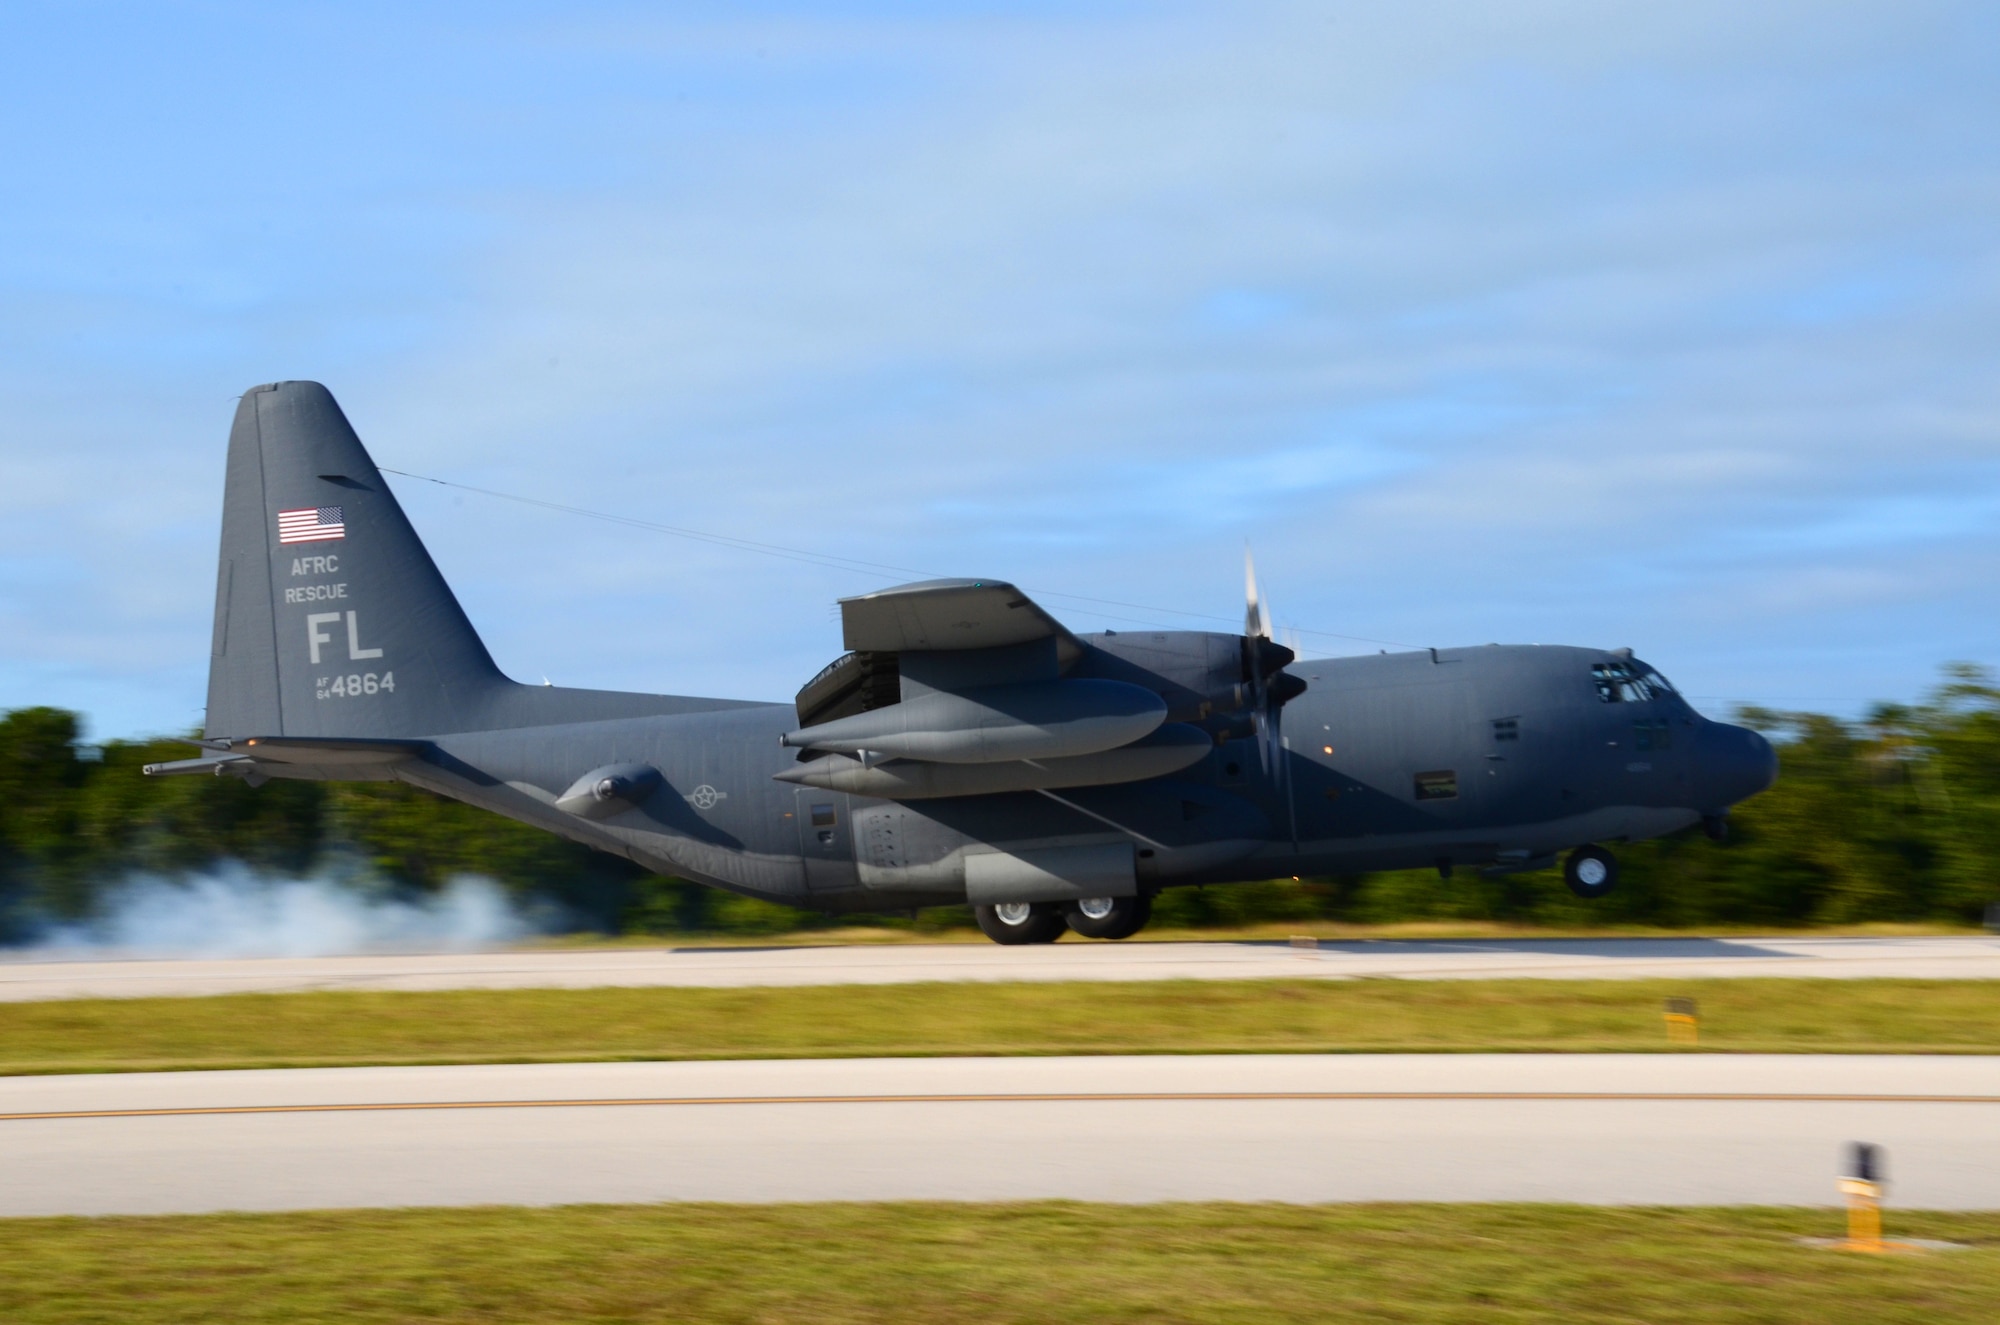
1736, 764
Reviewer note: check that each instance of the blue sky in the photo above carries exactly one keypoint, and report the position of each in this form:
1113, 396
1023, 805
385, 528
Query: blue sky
1540, 322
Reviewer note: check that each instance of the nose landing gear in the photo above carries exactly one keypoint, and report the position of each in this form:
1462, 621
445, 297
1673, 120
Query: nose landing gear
1590, 872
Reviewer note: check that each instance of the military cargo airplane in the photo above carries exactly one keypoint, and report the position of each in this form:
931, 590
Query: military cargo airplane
966, 748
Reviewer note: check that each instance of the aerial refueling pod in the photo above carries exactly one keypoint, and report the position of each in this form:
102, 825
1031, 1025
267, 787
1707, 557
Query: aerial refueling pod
1166, 750
994, 724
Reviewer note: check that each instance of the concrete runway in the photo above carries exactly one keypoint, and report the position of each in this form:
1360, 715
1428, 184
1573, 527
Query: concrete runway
1973, 958
1607, 1129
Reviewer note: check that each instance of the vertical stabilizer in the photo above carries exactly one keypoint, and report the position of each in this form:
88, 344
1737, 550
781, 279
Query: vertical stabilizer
330, 617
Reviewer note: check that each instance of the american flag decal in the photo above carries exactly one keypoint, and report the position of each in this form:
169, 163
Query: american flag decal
314, 524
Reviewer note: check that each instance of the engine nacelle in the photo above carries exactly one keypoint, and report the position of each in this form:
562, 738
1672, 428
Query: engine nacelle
1205, 677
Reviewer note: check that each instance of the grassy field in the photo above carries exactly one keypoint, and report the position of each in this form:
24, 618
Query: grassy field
1269, 1016
991, 1263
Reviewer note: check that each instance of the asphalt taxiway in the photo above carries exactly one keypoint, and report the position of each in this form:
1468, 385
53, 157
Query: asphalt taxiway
1606, 1129
1967, 958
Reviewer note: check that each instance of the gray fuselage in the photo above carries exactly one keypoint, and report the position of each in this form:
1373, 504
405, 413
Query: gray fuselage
1496, 756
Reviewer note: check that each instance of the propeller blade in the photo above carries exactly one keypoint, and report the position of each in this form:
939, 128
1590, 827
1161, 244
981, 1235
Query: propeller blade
1270, 685
1256, 616
1257, 631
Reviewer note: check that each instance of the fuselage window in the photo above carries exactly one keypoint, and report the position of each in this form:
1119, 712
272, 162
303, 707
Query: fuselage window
1623, 683
1657, 735
1439, 786
822, 816
1506, 729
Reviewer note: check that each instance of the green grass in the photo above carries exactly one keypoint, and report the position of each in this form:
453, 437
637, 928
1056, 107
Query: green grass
991, 1263
1266, 1016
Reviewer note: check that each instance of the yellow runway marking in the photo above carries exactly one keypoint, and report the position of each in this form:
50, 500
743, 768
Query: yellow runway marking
1112, 1097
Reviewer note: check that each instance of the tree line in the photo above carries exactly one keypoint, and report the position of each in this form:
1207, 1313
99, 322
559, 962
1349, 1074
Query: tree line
1894, 817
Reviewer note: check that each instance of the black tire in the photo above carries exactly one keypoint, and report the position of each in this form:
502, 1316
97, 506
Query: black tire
1116, 918
1590, 872
1041, 922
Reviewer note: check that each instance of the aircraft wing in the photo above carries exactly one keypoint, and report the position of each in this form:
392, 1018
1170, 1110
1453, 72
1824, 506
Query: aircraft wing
970, 631
961, 687
948, 614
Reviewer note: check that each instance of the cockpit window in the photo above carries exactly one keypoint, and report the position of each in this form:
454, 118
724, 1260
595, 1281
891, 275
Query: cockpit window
1628, 683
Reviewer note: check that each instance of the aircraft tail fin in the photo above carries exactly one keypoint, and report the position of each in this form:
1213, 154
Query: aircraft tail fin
331, 620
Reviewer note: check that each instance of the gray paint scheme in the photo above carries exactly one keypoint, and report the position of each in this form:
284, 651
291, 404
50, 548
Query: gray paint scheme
1054, 719
1165, 750
403, 689
948, 616
1105, 869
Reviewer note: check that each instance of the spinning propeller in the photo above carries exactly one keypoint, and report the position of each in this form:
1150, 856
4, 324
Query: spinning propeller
1271, 686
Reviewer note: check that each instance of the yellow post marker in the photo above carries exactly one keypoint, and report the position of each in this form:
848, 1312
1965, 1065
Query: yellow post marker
1862, 1182
1864, 1215
1862, 1185
1683, 1026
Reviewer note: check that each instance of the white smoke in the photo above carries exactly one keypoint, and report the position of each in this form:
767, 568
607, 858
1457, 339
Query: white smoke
234, 912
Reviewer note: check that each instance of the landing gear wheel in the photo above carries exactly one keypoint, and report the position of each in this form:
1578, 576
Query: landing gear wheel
1020, 922
1109, 917
1591, 872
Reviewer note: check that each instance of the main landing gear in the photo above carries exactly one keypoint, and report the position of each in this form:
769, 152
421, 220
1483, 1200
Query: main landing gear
1020, 922
1591, 872
1043, 922
1109, 917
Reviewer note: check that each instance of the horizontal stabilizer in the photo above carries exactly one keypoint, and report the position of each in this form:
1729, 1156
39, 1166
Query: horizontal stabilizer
215, 765
328, 751
269, 754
